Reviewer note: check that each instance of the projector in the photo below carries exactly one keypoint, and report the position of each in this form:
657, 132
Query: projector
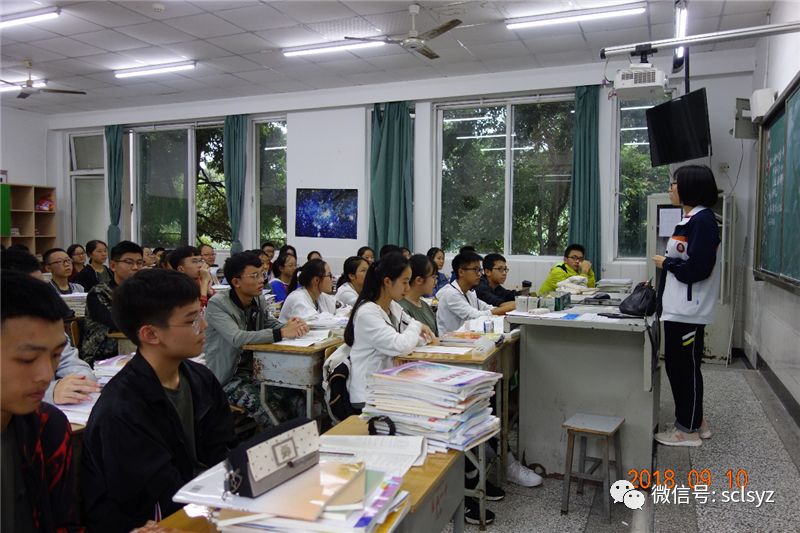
640, 81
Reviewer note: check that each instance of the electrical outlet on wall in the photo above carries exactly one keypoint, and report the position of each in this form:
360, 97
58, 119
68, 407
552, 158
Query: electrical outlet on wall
724, 167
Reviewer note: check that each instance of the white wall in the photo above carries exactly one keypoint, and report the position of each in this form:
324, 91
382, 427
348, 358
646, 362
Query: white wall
771, 315
23, 138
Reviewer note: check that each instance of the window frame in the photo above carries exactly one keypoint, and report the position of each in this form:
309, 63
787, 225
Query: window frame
508, 201
253, 164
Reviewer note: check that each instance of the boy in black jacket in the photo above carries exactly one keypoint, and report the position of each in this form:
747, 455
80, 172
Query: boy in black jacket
163, 419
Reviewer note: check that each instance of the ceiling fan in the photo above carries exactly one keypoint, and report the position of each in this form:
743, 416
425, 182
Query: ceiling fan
27, 88
415, 41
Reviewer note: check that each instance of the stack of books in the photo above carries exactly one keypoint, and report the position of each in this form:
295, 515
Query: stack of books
77, 302
108, 368
449, 405
622, 285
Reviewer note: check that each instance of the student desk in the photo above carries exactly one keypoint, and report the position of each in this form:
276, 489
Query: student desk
503, 359
293, 367
435, 492
604, 368
124, 345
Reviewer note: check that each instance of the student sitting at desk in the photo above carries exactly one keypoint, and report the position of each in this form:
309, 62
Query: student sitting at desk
208, 254
490, 289
162, 419
283, 271
367, 253
96, 271
379, 329
313, 293
436, 255
77, 253
458, 301
350, 284
574, 264
187, 259
421, 283
241, 316
38, 484
58, 263
126, 260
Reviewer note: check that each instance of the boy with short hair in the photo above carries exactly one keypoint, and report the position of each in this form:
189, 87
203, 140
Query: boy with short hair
458, 301
38, 486
490, 289
162, 419
238, 317
59, 264
574, 264
208, 254
187, 259
126, 260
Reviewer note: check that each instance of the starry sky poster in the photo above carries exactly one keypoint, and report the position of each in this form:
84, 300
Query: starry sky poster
327, 213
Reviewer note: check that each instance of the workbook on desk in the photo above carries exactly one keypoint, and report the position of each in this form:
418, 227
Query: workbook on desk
309, 339
391, 454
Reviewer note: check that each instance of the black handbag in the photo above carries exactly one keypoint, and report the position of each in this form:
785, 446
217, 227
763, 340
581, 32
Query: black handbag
641, 302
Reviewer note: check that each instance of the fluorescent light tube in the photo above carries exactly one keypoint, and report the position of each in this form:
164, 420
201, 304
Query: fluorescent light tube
681, 15
154, 69
29, 17
576, 15
328, 48
17, 86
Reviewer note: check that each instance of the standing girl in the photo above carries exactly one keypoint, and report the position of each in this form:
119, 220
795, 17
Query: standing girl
687, 295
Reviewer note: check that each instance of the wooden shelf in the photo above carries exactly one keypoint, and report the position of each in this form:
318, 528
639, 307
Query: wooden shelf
19, 211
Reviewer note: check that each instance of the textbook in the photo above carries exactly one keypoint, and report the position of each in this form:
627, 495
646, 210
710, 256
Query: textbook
446, 404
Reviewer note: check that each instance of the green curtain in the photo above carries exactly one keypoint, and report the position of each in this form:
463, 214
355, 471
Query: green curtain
391, 171
114, 162
234, 164
584, 225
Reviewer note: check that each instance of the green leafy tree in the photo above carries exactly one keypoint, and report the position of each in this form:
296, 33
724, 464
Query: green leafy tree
213, 223
272, 181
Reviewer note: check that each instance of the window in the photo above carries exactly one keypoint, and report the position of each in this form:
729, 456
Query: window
271, 161
213, 223
505, 176
87, 181
637, 179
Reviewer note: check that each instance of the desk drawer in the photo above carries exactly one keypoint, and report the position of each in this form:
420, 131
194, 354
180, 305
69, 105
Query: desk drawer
291, 369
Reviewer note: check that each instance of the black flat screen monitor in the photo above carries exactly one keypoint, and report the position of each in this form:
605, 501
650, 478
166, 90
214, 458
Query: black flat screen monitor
678, 130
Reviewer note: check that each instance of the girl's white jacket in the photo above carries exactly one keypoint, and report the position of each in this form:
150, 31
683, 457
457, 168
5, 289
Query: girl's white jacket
299, 304
346, 294
378, 337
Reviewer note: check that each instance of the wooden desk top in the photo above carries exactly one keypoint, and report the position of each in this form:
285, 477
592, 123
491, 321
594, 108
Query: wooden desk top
116, 335
314, 348
467, 358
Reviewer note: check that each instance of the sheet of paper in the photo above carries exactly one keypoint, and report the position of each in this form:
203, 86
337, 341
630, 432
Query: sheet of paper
312, 337
668, 218
391, 454
454, 350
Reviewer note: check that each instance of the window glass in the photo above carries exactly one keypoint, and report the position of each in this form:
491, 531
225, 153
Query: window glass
213, 223
272, 181
88, 152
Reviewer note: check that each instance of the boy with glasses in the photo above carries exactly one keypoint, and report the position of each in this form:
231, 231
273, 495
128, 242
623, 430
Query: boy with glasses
38, 485
187, 259
574, 264
490, 289
458, 301
126, 260
162, 419
59, 264
241, 316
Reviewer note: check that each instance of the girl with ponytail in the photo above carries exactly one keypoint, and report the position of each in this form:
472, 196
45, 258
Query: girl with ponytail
349, 285
310, 292
379, 329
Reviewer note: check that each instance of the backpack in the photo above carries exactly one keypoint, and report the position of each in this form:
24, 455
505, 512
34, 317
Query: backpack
336, 384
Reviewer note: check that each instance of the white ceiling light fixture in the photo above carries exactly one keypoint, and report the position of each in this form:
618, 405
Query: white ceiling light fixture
681, 16
29, 17
17, 86
327, 48
155, 69
576, 15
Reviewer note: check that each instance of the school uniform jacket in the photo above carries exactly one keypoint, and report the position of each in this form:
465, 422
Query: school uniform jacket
43, 438
377, 338
299, 304
346, 294
455, 307
134, 452
690, 280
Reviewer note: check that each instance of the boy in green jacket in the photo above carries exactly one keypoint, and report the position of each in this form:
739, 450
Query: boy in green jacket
574, 264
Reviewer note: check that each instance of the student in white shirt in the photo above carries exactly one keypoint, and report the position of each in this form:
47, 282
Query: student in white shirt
458, 301
379, 329
313, 293
352, 280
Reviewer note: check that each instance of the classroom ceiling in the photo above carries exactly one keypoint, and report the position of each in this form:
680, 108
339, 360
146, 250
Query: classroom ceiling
237, 44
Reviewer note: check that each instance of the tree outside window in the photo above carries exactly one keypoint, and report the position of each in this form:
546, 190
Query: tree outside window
272, 181
213, 224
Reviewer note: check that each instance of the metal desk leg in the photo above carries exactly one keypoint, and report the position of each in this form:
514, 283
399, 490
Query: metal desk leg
269, 412
310, 403
502, 451
458, 518
479, 491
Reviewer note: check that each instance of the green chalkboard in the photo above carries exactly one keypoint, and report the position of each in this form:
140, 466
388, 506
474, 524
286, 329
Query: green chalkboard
778, 240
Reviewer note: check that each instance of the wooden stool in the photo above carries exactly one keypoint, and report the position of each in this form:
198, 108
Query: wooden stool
603, 427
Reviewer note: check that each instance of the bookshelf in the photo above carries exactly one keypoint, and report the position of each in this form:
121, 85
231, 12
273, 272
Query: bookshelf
22, 223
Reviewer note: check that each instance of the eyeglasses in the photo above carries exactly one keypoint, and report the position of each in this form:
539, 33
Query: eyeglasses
328, 276
195, 325
576, 257
673, 183
501, 269
254, 275
77, 254
130, 262
65, 262
197, 261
